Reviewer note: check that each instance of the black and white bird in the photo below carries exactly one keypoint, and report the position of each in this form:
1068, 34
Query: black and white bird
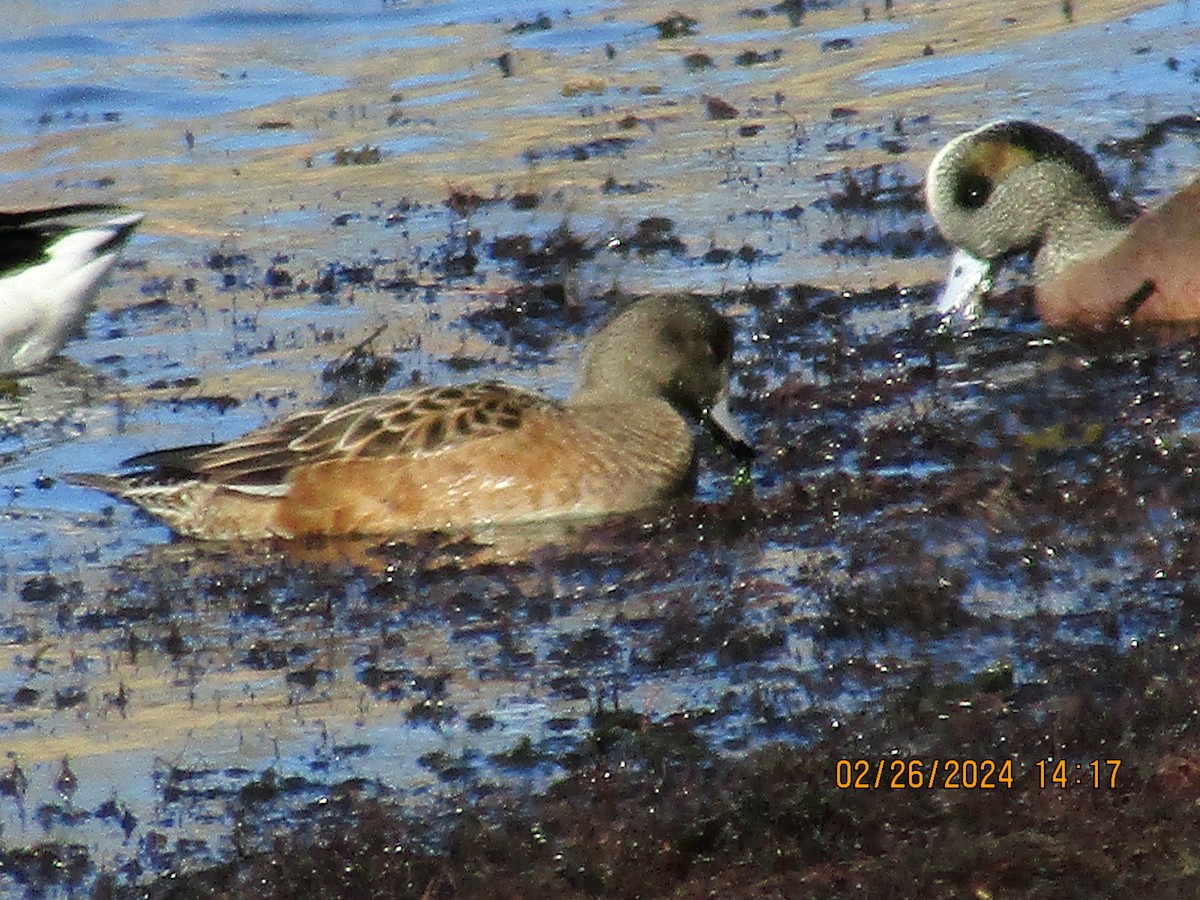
50, 271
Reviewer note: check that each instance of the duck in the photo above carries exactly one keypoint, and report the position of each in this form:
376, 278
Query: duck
51, 269
460, 456
1013, 186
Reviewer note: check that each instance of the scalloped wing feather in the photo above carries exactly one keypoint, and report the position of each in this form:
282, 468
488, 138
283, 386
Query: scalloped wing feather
408, 424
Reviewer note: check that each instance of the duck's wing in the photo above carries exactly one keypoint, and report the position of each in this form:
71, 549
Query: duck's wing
25, 235
401, 425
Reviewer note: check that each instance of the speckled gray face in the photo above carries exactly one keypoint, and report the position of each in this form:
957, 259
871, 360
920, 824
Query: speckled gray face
978, 189
1001, 190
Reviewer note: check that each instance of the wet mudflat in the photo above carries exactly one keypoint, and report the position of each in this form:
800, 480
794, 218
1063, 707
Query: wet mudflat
973, 549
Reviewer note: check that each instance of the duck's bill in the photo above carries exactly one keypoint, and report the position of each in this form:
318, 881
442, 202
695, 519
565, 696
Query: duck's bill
967, 281
728, 430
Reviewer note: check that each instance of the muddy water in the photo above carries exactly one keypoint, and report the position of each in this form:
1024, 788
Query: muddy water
917, 510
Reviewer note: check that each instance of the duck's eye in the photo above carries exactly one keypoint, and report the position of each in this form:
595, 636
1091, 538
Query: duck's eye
973, 190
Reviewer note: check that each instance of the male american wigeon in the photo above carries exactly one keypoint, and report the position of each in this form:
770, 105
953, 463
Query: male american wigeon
1011, 187
475, 454
50, 271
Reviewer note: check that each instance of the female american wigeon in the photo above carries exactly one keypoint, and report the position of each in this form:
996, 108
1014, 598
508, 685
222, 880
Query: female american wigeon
1009, 187
475, 454
50, 270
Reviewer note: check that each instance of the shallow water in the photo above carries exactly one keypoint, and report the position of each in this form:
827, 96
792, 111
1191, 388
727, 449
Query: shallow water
918, 509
